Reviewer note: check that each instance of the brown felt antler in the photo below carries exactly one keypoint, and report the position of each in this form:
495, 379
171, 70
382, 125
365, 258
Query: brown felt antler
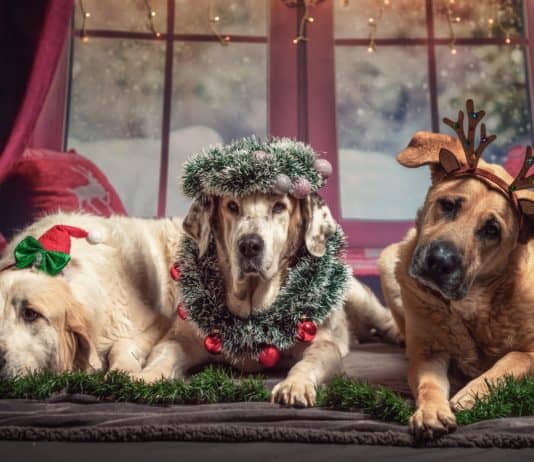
472, 153
522, 181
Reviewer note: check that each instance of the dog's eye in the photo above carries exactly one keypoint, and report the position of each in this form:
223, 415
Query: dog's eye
491, 230
30, 315
279, 207
447, 206
233, 207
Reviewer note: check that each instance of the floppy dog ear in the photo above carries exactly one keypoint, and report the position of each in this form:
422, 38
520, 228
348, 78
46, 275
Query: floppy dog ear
442, 153
197, 223
85, 356
319, 224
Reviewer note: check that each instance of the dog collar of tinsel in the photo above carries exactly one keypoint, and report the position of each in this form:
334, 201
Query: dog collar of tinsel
314, 288
250, 166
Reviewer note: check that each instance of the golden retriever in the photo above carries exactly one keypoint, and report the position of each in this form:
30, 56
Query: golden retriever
461, 287
256, 238
107, 308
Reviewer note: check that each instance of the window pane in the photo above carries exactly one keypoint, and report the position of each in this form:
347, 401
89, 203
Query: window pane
401, 18
127, 15
115, 115
382, 100
495, 77
239, 17
496, 18
219, 94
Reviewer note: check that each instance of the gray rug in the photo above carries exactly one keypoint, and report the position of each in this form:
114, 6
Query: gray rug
82, 418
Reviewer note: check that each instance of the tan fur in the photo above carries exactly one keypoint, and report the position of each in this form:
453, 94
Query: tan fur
284, 233
487, 333
107, 308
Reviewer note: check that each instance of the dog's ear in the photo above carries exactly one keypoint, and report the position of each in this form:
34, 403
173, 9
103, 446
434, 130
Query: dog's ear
319, 224
526, 205
442, 153
197, 223
80, 348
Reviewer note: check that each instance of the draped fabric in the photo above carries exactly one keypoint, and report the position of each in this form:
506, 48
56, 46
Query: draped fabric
32, 36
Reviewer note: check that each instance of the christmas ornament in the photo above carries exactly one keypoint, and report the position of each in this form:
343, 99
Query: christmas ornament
306, 331
301, 188
323, 167
51, 252
213, 343
269, 356
314, 287
282, 184
181, 312
250, 166
175, 272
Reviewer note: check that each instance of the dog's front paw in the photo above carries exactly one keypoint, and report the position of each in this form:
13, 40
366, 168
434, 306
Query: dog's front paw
432, 420
294, 392
466, 397
147, 376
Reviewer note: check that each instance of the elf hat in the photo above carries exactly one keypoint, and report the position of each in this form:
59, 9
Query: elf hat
51, 252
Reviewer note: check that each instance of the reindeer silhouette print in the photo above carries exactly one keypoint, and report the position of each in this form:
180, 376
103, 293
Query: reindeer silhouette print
91, 191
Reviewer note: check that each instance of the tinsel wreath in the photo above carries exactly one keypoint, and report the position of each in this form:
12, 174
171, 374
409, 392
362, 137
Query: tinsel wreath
249, 166
314, 287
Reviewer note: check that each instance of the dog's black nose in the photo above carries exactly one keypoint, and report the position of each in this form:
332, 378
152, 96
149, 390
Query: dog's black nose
250, 245
442, 259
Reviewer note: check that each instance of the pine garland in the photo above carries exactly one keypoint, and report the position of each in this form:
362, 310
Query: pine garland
313, 289
509, 397
250, 166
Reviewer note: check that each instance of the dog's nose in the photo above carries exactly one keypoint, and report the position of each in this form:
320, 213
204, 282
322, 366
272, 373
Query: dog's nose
442, 259
250, 245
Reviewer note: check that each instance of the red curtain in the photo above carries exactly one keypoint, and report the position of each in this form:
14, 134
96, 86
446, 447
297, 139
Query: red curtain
32, 36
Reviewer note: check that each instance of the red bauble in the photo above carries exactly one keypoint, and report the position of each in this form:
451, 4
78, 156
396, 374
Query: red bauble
269, 356
175, 272
182, 314
306, 331
213, 343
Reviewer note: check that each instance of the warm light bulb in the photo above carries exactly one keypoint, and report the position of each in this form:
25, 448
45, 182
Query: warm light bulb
453, 51
371, 20
491, 21
85, 39
386, 2
310, 19
458, 19
371, 49
158, 35
216, 18
152, 13
295, 40
507, 40
87, 14
227, 38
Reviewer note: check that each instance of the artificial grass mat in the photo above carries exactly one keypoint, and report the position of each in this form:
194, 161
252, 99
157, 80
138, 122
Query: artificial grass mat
215, 384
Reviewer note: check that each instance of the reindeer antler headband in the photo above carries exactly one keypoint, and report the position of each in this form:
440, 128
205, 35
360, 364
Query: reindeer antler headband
473, 153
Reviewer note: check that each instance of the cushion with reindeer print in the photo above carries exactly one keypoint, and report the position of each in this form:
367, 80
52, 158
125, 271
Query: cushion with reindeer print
44, 181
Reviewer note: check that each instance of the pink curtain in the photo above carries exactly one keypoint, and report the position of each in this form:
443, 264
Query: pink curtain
32, 33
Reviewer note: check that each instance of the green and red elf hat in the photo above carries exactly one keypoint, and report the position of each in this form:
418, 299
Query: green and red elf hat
51, 252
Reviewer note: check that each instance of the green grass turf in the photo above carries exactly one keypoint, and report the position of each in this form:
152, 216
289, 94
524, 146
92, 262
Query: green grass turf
507, 398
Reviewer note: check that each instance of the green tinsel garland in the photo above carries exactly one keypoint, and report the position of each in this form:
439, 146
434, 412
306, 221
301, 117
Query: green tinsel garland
250, 166
314, 287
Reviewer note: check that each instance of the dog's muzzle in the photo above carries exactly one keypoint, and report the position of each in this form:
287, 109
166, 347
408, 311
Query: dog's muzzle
439, 265
250, 248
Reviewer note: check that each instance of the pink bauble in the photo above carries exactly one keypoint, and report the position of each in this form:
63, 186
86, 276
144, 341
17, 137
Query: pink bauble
323, 167
259, 156
282, 184
301, 188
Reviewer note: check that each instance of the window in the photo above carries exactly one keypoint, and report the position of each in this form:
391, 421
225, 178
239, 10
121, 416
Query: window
418, 74
144, 100
140, 104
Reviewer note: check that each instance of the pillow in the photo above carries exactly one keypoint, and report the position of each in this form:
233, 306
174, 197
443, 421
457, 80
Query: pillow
44, 181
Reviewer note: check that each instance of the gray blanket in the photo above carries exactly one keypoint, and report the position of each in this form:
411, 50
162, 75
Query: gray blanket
82, 418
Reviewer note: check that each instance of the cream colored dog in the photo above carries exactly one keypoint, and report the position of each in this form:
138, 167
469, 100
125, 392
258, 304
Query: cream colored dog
256, 238
104, 311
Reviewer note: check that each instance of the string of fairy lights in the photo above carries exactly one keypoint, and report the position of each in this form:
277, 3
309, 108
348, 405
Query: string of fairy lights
502, 16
